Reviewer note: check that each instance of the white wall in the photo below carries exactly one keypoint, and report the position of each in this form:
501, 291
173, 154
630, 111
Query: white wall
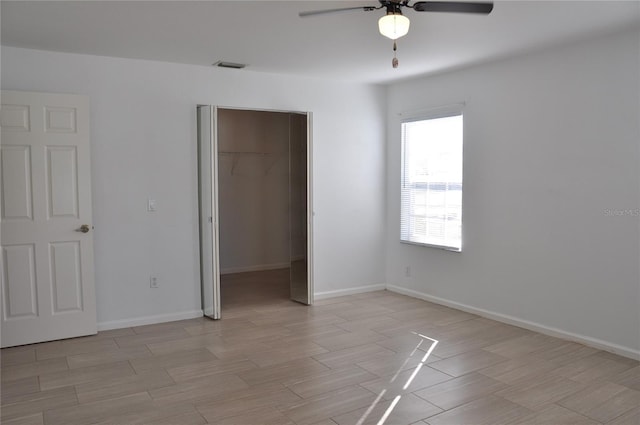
551, 144
143, 129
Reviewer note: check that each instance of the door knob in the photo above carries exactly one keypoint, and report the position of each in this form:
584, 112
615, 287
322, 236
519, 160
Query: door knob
84, 228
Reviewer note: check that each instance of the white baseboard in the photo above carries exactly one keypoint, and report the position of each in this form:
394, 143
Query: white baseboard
348, 291
256, 268
148, 320
511, 320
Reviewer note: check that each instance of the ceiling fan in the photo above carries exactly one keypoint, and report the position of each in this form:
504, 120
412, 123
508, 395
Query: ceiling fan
394, 24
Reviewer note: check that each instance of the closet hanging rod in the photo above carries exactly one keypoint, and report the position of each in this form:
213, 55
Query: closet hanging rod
250, 153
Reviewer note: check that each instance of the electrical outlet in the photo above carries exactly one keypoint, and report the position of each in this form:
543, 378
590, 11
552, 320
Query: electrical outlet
153, 282
407, 271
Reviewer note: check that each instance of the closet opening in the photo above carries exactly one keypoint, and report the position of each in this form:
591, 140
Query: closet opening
255, 220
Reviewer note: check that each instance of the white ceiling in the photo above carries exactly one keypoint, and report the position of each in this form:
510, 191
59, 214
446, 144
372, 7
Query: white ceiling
270, 37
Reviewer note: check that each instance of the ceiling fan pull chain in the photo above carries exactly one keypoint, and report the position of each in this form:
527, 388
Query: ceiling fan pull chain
394, 61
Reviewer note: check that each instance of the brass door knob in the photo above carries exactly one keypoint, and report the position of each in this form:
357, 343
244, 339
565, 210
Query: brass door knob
84, 228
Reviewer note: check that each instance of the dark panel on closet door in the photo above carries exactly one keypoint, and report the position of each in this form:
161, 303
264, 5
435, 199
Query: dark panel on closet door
298, 204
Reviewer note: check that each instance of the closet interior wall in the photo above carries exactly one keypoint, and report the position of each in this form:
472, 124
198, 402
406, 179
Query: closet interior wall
261, 208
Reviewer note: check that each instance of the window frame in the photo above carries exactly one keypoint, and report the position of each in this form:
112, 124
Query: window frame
435, 113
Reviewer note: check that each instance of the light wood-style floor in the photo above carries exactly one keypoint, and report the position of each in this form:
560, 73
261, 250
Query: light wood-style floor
354, 360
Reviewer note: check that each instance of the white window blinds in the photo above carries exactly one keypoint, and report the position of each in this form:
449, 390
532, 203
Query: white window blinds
431, 192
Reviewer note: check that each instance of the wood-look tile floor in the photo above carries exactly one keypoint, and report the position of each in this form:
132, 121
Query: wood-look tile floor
361, 359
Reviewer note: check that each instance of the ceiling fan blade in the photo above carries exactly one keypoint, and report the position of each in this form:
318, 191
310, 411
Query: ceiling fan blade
344, 9
453, 6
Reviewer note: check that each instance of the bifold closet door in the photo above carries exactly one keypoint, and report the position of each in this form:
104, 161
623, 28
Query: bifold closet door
208, 188
300, 284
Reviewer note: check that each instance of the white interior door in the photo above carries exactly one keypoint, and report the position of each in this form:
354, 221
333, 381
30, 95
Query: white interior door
208, 187
47, 239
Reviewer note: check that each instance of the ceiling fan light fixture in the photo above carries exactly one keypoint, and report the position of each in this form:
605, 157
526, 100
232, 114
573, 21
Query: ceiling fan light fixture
393, 25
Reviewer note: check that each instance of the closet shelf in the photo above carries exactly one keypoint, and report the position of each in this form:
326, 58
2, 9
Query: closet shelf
247, 153
236, 155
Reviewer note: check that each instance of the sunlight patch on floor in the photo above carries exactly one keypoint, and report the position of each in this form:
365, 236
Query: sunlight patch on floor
397, 398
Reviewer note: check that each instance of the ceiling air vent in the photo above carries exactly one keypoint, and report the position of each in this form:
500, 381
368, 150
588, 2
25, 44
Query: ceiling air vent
232, 65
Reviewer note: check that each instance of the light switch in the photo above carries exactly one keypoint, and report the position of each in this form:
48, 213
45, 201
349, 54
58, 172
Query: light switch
151, 205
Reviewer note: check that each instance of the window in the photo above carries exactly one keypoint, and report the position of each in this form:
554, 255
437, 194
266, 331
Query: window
431, 194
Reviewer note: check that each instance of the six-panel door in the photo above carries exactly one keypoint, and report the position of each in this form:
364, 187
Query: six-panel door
47, 236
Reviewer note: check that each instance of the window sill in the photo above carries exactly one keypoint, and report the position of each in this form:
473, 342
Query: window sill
442, 247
